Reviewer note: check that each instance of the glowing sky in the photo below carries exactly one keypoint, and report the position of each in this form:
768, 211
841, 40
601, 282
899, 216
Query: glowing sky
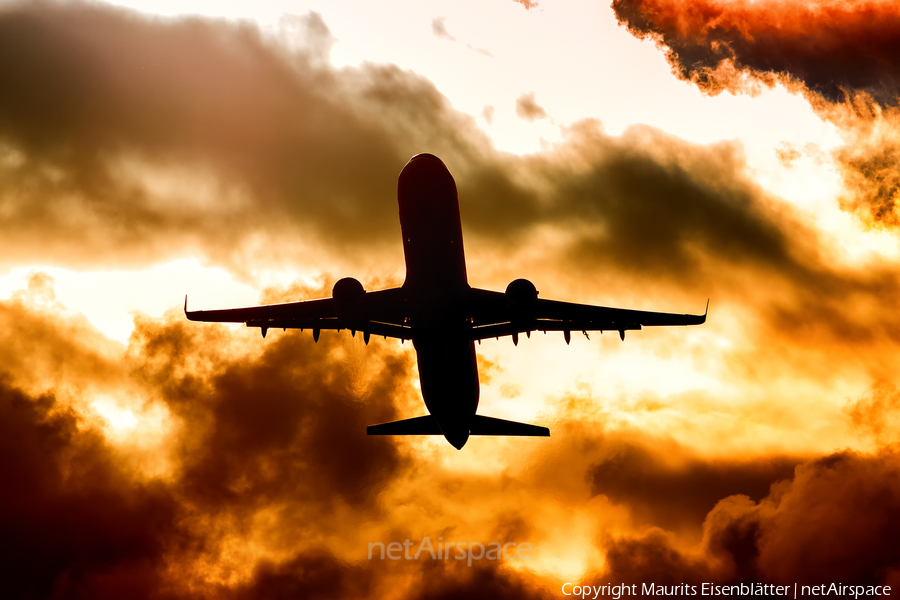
650, 154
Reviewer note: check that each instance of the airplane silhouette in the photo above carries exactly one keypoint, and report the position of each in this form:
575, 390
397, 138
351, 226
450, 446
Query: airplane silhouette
442, 315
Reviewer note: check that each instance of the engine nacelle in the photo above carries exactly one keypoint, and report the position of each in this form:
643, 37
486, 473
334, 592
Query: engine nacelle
349, 302
521, 292
522, 297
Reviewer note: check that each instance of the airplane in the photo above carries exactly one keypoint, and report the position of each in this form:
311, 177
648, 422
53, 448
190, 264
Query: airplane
441, 313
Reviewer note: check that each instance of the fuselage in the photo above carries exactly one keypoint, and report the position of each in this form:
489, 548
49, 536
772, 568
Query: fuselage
435, 288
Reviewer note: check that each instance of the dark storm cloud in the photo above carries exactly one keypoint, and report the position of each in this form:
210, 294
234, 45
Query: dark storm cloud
653, 557
643, 203
282, 428
833, 48
287, 425
126, 140
98, 105
836, 520
448, 580
659, 196
312, 575
321, 575
279, 425
678, 496
841, 55
74, 523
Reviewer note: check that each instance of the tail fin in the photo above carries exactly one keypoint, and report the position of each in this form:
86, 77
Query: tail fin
481, 425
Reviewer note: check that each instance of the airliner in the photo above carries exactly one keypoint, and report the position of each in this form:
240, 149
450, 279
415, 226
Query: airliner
441, 313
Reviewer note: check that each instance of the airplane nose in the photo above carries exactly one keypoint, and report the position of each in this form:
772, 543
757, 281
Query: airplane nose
423, 168
424, 156
425, 180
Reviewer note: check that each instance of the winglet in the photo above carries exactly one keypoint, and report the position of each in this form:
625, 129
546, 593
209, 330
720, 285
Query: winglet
187, 313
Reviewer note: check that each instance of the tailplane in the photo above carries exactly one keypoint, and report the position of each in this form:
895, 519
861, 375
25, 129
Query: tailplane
416, 426
481, 425
490, 426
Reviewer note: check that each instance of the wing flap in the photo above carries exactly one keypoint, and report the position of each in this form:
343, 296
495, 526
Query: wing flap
372, 328
484, 332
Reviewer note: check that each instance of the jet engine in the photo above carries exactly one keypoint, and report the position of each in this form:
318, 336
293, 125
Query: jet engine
349, 302
521, 293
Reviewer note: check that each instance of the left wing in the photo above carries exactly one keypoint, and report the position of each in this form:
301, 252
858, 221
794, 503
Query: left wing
375, 313
494, 315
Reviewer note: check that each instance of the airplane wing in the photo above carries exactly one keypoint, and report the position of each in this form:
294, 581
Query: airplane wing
377, 313
495, 315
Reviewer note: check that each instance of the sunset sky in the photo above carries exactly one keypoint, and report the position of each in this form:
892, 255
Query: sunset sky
651, 154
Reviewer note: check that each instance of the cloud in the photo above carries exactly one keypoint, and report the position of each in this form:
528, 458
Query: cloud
439, 29
103, 168
250, 433
831, 47
265, 426
528, 4
806, 530
528, 109
488, 114
840, 55
73, 520
272, 486
877, 414
166, 137
639, 478
481, 51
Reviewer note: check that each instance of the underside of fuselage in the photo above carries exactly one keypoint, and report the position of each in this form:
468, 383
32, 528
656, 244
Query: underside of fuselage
435, 287
449, 381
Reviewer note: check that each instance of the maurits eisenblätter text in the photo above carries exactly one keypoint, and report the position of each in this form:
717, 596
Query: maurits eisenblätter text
711, 589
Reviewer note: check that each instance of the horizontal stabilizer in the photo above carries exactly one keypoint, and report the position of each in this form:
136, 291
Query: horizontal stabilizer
490, 426
416, 426
426, 425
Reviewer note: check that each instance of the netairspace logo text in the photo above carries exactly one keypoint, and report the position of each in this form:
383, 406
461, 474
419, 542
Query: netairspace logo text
468, 551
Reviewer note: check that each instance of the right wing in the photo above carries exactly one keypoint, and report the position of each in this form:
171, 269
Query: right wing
494, 315
379, 313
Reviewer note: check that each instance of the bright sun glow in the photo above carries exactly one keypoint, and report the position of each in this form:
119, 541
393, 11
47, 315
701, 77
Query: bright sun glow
109, 299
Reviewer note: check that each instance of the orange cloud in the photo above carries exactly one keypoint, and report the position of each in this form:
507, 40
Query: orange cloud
839, 54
